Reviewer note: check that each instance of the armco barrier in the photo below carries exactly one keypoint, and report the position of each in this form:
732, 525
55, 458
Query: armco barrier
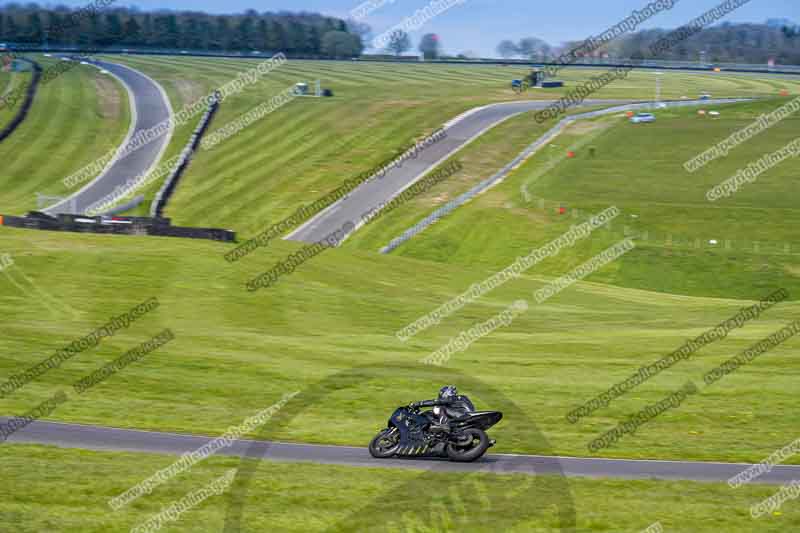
160, 227
167, 190
30, 93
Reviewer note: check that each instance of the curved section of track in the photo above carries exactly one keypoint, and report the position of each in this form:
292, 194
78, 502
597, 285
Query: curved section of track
377, 192
126, 440
461, 131
149, 107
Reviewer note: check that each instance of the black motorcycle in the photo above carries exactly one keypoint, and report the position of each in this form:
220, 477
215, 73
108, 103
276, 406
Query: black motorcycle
412, 433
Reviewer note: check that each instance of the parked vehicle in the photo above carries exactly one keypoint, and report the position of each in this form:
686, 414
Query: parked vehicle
643, 118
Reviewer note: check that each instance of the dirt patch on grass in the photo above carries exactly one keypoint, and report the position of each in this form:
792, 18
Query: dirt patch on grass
792, 270
584, 127
189, 91
109, 97
439, 199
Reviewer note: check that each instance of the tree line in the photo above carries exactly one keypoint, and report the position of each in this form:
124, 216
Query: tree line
303, 34
725, 43
400, 43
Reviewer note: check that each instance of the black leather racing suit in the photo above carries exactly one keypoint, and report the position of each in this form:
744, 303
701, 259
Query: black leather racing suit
453, 407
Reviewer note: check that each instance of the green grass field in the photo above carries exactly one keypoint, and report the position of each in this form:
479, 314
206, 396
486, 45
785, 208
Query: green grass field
68, 490
236, 353
307, 148
8, 82
640, 170
76, 118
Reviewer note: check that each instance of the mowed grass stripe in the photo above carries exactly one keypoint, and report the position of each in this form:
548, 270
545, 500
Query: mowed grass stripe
207, 77
369, 103
93, 126
640, 171
377, 74
202, 73
14, 80
257, 173
353, 303
291, 152
65, 124
313, 173
6, 81
50, 125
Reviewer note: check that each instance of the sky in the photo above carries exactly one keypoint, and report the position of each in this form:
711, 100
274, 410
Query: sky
479, 25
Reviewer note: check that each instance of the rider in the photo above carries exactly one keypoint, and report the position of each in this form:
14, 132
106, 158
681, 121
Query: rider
454, 405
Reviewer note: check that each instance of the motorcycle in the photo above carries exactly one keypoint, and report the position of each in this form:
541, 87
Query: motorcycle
412, 433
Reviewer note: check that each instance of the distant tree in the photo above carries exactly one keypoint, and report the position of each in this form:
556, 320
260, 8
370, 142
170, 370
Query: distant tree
295, 38
300, 33
261, 34
204, 30
113, 32
132, 32
35, 32
191, 36
222, 34
95, 32
313, 40
340, 44
362, 29
173, 35
276, 37
245, 33
54, 23
430, 46
11, 29
534, 48
399, 42
147, 30
507, 49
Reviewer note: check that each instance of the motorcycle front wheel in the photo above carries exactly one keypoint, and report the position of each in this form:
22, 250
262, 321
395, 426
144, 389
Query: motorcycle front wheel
471, 445
385, 443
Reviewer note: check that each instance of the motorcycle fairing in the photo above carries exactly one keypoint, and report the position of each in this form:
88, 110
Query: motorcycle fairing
412, 435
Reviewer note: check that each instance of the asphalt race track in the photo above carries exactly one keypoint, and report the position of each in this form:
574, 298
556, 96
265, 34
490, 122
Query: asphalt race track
125, 440
150, 107
378, 192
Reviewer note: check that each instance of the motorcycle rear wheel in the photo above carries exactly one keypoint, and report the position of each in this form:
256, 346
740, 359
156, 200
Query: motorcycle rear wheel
476, 445
385, 443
